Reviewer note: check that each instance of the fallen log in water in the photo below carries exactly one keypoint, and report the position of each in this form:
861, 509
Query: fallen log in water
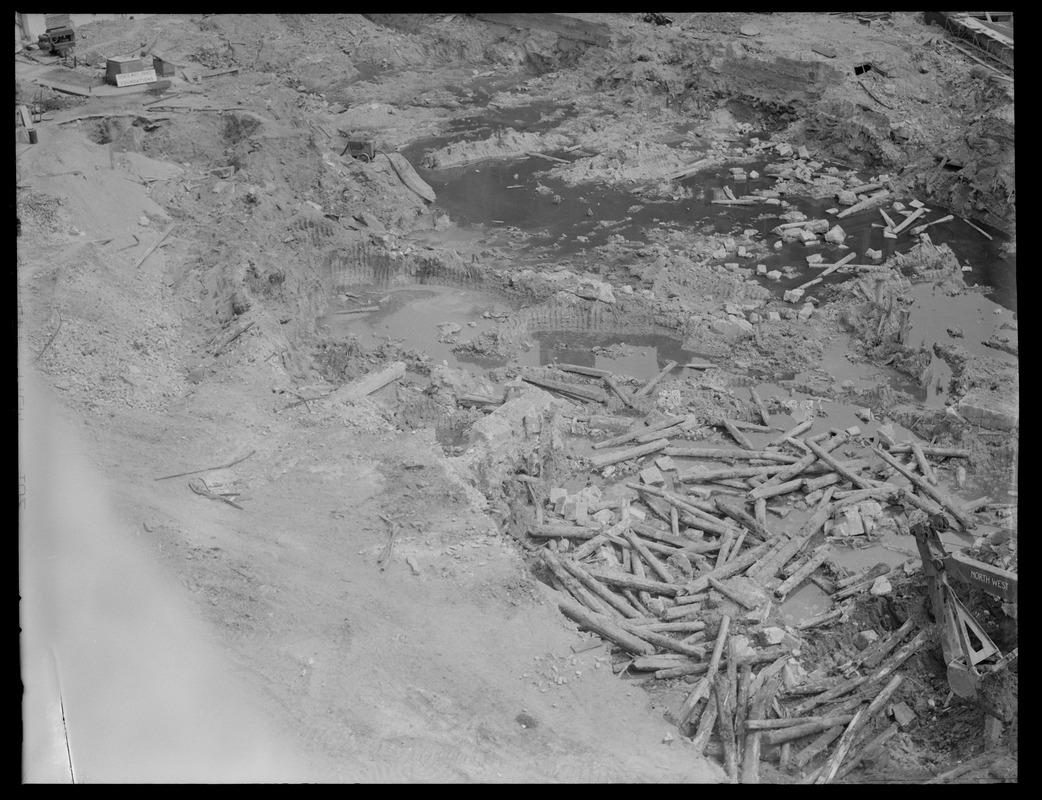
944, 500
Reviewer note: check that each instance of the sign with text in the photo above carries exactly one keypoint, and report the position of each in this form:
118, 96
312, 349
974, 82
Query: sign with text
993, 580
135, 78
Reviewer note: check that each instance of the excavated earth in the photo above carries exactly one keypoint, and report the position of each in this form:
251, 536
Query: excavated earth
208, 591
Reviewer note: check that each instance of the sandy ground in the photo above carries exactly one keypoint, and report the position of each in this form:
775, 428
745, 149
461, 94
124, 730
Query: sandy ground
186, 638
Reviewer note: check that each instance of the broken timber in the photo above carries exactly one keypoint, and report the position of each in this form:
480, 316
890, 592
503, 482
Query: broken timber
355, 391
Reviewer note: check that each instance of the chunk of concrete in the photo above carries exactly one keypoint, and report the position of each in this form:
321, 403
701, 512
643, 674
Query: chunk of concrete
761, 269
982, 407
865, 638
815, 258
665, 463
874, 255
904, 716
836, 235
652, 476
773, 316
806, 312
793, 295
784, 150
846, 198
775, 274
881, 586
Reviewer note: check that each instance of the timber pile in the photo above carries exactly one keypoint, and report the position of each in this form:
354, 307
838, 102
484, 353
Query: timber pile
680, 571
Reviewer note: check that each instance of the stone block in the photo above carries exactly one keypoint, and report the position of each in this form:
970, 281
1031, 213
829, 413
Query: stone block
652, 476
775, 274
761, 269
865, 638
836, 235
806, 312
982, 407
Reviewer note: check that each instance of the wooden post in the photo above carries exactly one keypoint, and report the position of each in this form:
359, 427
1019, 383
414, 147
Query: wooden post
704, 729
633, 582
647, 429
792, 433
758, 707
872, 747
826, 738
791, 733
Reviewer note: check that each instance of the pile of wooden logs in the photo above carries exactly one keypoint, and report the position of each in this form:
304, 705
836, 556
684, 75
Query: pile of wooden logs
681, 570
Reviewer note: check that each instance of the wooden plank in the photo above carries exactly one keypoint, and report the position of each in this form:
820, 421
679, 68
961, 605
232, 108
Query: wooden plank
627, 453
356, 390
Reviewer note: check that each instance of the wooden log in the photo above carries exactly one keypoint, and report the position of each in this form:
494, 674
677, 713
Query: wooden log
656, 566
792, 433
872, 656
909, 220
624, 396
798, 468
701, 583
589, 372
633, 582
728, 454
819, 557
944, 500
650, 385
577, 590
739, 515
605, 627
589, 547
760, 511
744, 425
627, 453
802, 729
650, 532
868, 203
599, 589
924, 465
696, 517
562, 532
820, 619
811, 485
660, 662
725, 726
706, 724
689, 626
672, 430
931, 450
860, 719
871, 748
637, 568
629, 436
588, 393
356, 390
725, 549
737, 435
704, 475
727, 591
745, 679
760, 407
920, 228
662, 641
702, 687
835, 464
868, 573
897, 659
757, 709
819, 745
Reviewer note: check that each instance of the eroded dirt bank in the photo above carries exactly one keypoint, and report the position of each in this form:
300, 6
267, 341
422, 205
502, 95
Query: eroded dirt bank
204, 280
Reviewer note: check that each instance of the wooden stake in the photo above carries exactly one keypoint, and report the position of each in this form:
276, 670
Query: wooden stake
583, 595
656, 566
816, 560
803, 427
819, 745
609, 381
800, 730
924, 465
